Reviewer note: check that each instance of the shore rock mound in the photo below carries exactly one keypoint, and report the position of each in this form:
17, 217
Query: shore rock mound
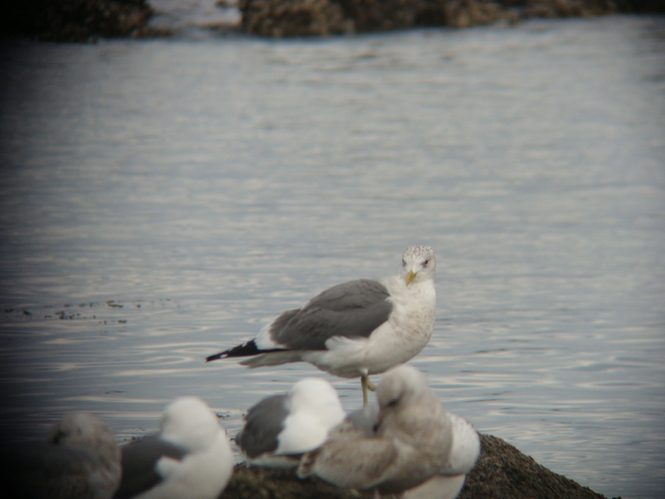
502, 472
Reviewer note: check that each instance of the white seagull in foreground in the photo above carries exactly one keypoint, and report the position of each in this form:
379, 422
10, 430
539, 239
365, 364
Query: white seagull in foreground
190, 456
280, 428
79, 460
413, 440
356, 328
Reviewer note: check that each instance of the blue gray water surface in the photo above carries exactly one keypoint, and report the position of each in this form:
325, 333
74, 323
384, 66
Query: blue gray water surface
162, 200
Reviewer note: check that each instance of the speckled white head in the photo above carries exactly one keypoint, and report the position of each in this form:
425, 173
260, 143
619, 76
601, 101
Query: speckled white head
418, 264
189, 422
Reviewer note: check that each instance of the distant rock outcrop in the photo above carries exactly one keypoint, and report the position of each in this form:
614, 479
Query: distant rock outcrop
88, 20
324, 17
76, 20
293, 18
502, 472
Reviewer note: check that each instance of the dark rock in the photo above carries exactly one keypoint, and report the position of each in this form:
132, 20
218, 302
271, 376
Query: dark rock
467, 13
502, 472
87, 20
323, 17
292, 18
568, 8
381, 15
262, 483
641, 6
77, 20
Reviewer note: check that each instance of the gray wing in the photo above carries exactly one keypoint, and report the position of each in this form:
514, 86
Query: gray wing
353, 309
139, 459
265, 421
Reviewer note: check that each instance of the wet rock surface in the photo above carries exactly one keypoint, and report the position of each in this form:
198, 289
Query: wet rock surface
502, 472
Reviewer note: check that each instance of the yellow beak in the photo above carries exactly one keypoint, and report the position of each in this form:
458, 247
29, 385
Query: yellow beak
410, 276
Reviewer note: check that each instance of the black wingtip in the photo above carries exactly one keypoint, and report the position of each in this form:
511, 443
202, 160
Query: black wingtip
244, 350
219, 355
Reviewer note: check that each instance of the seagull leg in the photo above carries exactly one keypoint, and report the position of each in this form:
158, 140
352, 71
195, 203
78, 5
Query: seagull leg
366, 385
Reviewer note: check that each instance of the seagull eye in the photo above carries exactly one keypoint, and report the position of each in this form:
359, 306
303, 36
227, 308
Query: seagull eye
403, 262
393, 402
426, 263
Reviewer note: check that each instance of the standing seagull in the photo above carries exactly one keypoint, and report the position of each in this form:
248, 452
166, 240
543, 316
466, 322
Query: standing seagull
79, 460
281, 428
356, 328
190, 457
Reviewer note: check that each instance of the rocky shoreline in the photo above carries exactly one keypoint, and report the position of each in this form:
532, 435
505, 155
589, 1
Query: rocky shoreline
77, 20
502, 472
281, 18
88, 20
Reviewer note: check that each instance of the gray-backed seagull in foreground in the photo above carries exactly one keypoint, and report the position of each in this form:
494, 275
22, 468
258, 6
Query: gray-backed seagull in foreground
408, 445
280, 428
79, 460
354, 329
190, 456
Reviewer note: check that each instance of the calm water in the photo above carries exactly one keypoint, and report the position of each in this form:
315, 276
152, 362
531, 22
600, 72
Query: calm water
162, 200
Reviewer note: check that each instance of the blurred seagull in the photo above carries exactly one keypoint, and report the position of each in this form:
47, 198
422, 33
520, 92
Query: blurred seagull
189, 458
463, 456
356, 328
79, 460
280, 428
407, 441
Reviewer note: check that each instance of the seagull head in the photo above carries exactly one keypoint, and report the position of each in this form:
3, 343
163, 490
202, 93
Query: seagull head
317, 396
82, 429
418, 264
409, 409
189, 423
401, 386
